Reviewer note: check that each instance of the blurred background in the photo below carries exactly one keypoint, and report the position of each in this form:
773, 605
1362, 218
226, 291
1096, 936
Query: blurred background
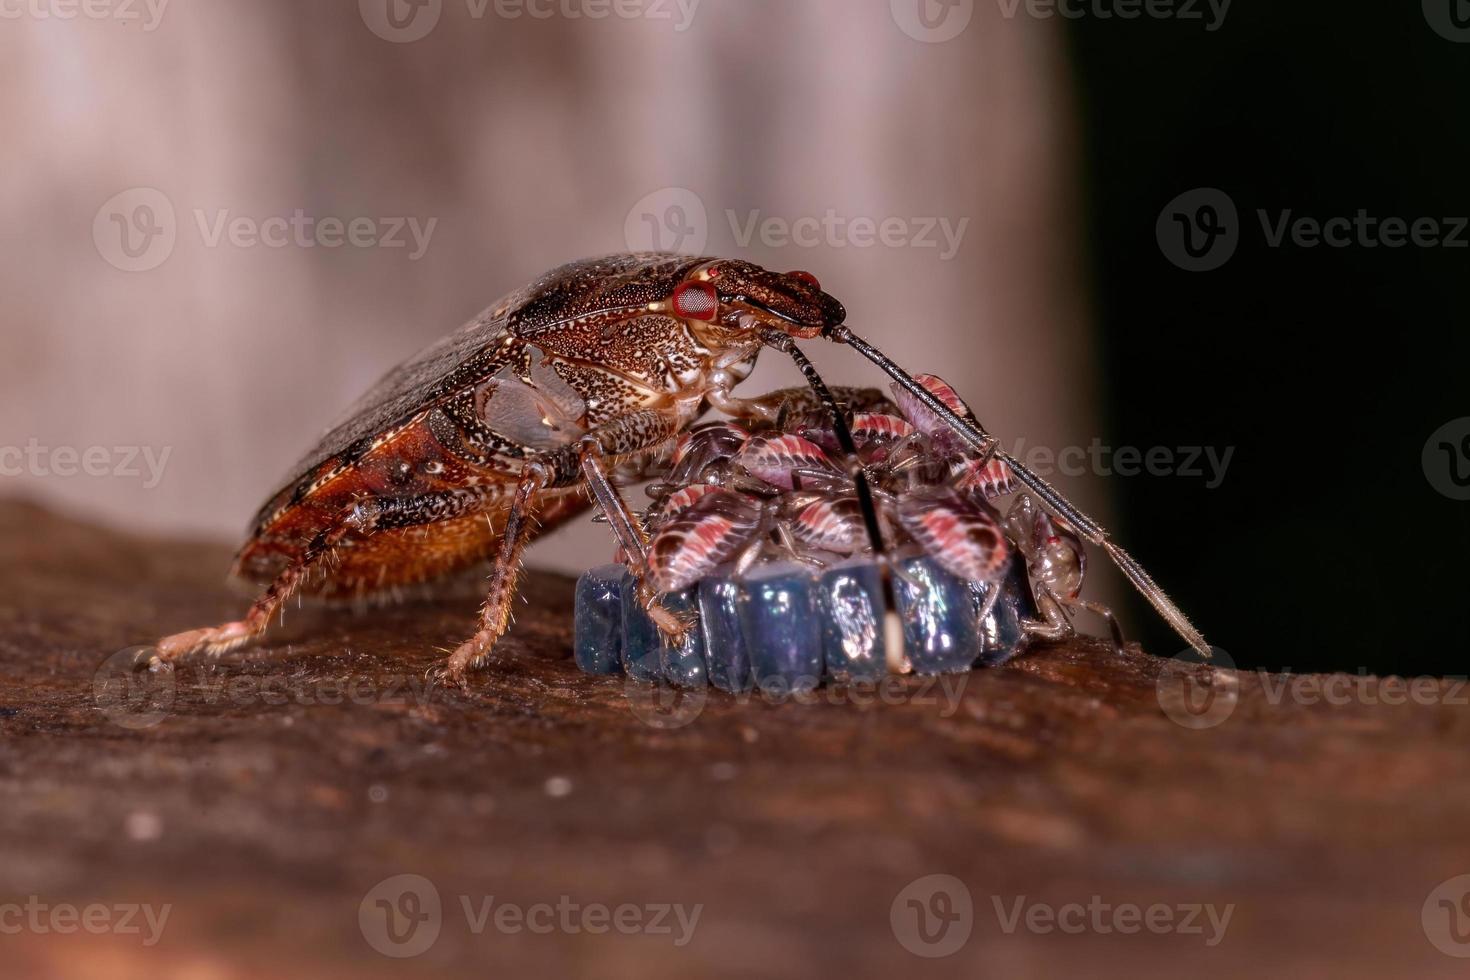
224, 221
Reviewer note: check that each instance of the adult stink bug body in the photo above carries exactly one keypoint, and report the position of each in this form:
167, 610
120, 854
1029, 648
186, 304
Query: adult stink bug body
495, 432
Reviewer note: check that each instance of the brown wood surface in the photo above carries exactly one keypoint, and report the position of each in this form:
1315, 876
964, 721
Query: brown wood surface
263, 816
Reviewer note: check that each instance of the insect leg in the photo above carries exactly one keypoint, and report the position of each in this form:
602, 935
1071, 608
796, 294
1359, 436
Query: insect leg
771, 406
1054, 624
359, 519
495, 613
973, 433
630, 535
1114, 631
624, 523
629, 435
625, 436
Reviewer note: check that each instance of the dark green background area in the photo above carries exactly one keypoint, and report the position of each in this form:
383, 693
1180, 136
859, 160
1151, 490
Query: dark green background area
1326, 368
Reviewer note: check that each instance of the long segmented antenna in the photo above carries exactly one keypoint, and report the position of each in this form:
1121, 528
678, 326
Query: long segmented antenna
896, 655
784, 343
983, 442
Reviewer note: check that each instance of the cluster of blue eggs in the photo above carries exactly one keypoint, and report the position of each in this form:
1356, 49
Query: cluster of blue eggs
788, 626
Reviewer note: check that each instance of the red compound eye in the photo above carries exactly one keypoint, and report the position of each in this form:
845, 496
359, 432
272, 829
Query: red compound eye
695, 300
805, 277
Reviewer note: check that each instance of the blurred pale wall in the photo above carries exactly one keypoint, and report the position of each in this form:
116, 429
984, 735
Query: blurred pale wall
527, 141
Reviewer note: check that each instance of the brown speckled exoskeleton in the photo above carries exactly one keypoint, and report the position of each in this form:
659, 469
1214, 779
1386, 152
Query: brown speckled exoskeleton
552, 395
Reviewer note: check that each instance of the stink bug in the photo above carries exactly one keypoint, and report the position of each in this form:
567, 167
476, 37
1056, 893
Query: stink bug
509, 424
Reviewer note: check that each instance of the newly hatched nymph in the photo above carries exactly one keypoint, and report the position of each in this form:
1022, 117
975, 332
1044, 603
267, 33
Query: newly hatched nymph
758, 534
506, 426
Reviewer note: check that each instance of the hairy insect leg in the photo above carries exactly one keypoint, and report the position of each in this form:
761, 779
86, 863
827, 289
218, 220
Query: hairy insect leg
359, 519
987, 446
620, 438
495, 613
